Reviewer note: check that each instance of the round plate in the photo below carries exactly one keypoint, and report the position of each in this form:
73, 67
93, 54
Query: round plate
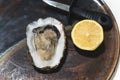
15, 15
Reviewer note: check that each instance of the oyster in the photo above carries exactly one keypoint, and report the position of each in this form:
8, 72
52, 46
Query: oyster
46, 42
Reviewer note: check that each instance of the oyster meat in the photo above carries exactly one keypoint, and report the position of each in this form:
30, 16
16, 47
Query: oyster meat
46, 42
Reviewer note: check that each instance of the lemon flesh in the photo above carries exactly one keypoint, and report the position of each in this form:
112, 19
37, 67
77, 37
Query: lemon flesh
87, 35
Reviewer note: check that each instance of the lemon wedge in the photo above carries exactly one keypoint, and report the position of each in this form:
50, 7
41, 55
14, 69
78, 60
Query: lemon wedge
87, 35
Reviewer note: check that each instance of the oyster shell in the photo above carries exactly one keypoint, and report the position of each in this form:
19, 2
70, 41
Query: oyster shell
46, 42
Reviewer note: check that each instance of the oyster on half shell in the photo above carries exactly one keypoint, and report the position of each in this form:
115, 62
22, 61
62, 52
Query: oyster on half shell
46, 42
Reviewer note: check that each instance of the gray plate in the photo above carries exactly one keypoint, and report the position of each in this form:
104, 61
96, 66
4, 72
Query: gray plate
15, 15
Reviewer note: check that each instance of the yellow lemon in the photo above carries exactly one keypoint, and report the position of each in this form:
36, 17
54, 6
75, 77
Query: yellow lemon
87, 34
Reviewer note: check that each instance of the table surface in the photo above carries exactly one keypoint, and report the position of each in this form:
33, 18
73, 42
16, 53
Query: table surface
115, 7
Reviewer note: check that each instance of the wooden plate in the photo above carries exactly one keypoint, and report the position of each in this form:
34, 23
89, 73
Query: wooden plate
15, 15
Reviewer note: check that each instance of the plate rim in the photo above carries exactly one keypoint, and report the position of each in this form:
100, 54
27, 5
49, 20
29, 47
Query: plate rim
111, 71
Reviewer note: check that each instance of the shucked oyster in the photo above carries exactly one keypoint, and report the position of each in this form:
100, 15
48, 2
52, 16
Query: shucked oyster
46, 42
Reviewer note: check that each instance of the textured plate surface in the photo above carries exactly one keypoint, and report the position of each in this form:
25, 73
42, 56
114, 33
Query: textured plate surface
15, 15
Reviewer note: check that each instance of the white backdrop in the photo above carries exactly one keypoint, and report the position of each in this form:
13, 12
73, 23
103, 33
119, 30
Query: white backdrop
114, 5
